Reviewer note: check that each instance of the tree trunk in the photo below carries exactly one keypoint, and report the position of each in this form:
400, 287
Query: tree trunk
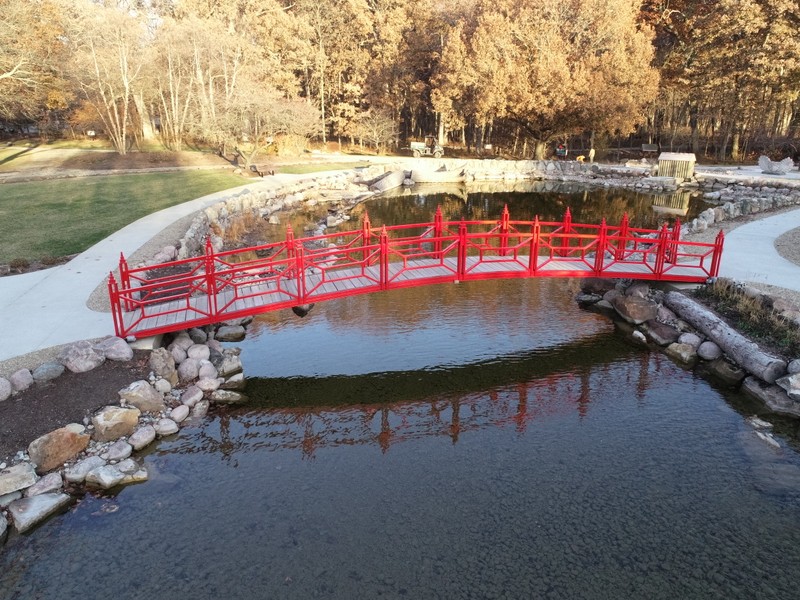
746, 353
540, 149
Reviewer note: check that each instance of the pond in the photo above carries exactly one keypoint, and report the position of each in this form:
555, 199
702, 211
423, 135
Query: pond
481, 440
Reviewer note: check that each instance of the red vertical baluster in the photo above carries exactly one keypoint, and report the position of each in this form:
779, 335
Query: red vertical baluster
675, 241
116, 309
437, 232
622, 238
600, 251
661, 254
504, 219
566, 229
366, 237
384, 258
533, 259
125, 280
289, 242
462, 250
299, 254
211, 280
719, 242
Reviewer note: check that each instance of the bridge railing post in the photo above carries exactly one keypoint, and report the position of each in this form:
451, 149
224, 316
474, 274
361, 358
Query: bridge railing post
566, 228
125, 279
299, 255
437, 232
504, 227
366, 238
384, 257
675, 240
716, 258
533, 259
116, 307
600, 250
661, 254
211, 279
622, 238
462, 250
289, 241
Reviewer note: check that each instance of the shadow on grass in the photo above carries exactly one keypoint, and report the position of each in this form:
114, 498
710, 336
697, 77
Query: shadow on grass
16, 155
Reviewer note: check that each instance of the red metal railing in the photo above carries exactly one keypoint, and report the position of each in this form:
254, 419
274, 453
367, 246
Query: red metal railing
220, 286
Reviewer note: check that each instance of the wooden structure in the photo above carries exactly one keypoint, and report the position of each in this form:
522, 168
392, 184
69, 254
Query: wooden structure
676, 164
221, 286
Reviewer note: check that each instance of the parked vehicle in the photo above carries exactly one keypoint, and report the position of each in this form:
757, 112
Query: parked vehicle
427, 148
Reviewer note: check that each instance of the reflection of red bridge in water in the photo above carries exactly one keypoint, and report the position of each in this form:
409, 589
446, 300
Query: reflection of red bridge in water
228, 285
563, 394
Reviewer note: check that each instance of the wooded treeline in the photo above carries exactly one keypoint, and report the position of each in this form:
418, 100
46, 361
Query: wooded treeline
720, 78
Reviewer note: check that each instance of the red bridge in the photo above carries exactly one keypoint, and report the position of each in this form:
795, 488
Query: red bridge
221, 286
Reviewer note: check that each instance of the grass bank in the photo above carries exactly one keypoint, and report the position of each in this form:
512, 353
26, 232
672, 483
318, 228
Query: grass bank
42, 220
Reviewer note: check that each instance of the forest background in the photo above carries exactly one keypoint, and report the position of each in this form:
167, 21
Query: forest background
720, 78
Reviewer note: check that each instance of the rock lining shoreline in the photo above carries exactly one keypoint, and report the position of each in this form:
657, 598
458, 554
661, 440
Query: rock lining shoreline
194, 370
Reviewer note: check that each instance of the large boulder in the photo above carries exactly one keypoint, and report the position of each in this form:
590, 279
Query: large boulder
142, 437
114, 348
634, 309
113, 422
21, 380
48, 484
53, 449
143, 396
684, 353
773, 396
17, 477
47, 372
230, 333
27, 512
81, 357
162, 363
189, 370
77, 472
597, 285
791, 385
661, 333
5, 389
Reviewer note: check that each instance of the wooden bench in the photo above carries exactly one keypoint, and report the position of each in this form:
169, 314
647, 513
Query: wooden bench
646, 148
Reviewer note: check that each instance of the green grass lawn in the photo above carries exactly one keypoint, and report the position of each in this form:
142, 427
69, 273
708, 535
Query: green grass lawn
304, 169
54, 218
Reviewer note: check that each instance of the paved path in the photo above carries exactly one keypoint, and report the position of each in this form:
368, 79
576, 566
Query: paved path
48, 308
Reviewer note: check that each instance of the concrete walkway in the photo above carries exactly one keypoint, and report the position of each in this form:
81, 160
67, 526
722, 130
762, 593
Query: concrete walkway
48, 308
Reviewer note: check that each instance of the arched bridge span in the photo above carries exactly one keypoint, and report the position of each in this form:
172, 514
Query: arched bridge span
220, 286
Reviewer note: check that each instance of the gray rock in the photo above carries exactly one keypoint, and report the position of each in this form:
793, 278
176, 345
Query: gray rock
7, 499
135, 477
207, 370
5, 389
105, 477
114, 422
791, 385
709, 351
47, 372
53, 449
3, 529
773, 396
230, 365
162, 386
119, 450
598, 286
199, 351
638, 290
48, 484
684, 353
691, 339
21, 380
208, 385
114, 348
162, 363
228, 397
189, 369
191, 396
183, 341
166, 427
793, 367
17, 477
661, 333
179, 413
198, 336
143, 396
142, 437
28, 512
634, 309
128, 466
178, 354
77, 472
200, 409
236, 382
80, 357
665, 315
230, 333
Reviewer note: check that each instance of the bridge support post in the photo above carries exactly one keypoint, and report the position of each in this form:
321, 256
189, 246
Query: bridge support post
289, 242
298, 252
462, 250
676, 238
366, 237
717, 253
566, 229
211, 280
116, 308
384, 258
622, 238
661, 254
504, 219
125, 279
533, 258
600, 251
437, 232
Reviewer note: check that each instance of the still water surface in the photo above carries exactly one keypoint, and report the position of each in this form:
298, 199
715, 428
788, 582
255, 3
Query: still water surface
482, 440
